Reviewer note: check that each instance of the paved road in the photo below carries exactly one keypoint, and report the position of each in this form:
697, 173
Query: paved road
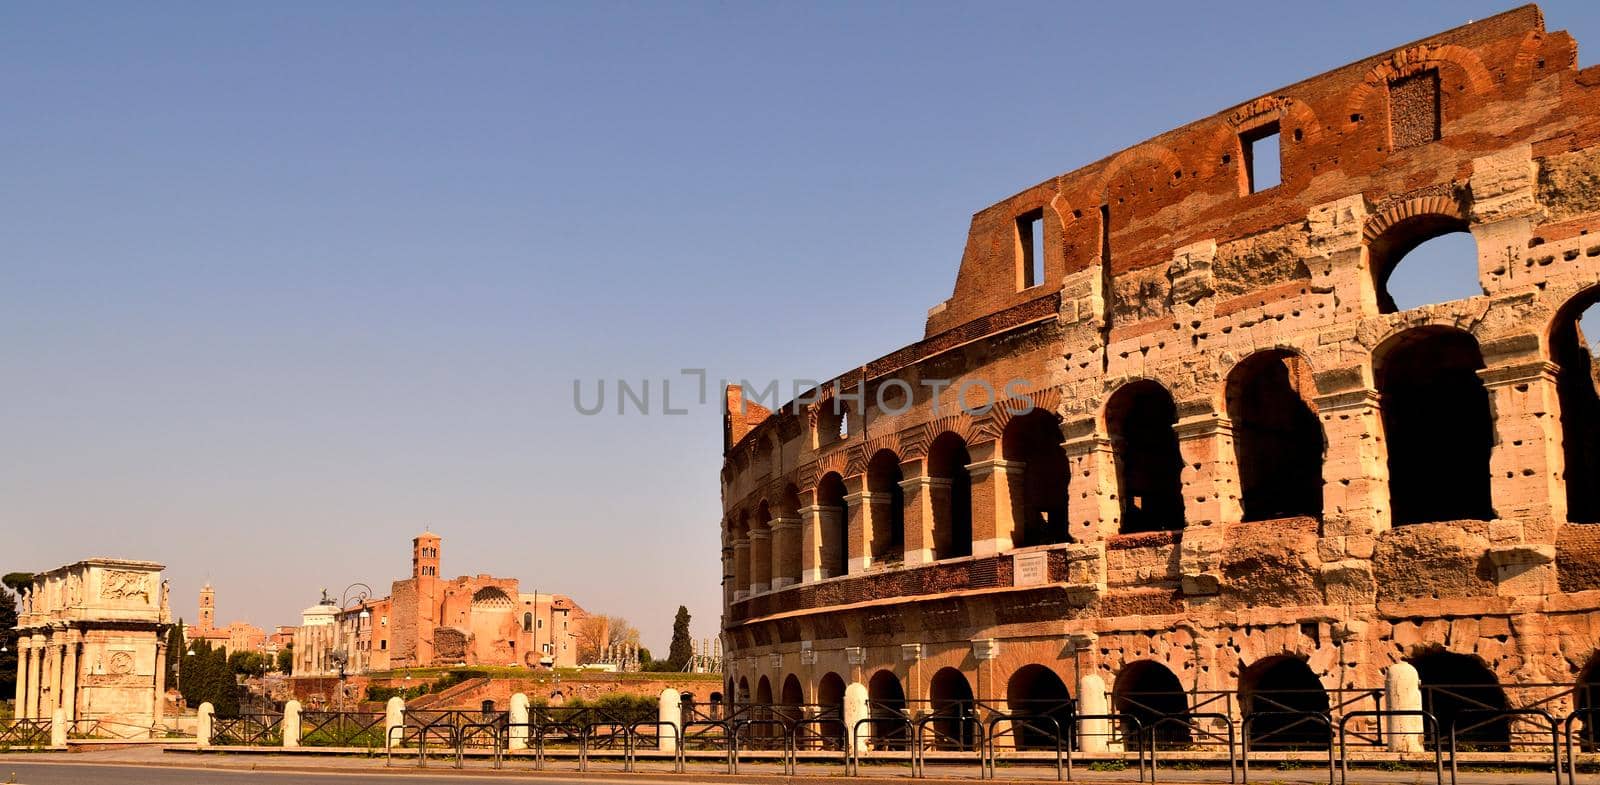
108, 774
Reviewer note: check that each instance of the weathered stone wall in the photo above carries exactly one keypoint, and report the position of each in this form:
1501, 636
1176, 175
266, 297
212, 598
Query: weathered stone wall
1165, 271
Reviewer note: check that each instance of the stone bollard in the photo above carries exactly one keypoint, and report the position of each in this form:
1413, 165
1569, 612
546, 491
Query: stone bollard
394, 716
1094, 735
291, 724
669, 709
855, 710
1403, 688
58, 728
202, 725
519, 722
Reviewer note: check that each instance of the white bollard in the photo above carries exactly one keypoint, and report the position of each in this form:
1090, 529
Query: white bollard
855, 710
1404, 693
58, 728
1094, 735
669, 709
394, 716
202, 725
519, 722
291, 724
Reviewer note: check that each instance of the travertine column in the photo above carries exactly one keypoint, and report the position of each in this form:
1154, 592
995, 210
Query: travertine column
1093, 734
858, 530
760, 559
69, 679
1403, 690
811, 542
1355, 473
878, 511
785, 551
1527, 463
741, 568
994, 521
1093, 509
919, 491
1211, 491
160, 709
50, 680
24, 676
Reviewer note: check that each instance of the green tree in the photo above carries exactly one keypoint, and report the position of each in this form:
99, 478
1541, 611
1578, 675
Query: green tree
18, 582
682, 648
8, 642
207, 678
248, 663
174, 653
286, 660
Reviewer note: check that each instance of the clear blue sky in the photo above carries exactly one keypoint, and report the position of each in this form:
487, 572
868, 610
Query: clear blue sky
282, 285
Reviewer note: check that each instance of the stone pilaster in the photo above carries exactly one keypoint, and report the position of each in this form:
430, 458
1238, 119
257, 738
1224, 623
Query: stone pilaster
816, 546
994, 520
1210, 492
1527, 464
69, 678
1093, 510
1355, 491
858, 530
741, 568
785, 551
760, 559
920, 490
1505, 206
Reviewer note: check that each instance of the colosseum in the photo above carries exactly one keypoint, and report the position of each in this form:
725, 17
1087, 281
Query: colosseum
1171, 449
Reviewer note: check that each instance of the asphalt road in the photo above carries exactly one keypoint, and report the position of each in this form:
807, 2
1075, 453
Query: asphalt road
107, 774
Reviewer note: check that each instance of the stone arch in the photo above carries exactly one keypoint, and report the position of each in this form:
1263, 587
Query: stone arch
1460, 690
491, 598
791, 700
742, 696
527, 622
1586, 699
886, 702
1139, 418
951, 701
952, 503
1039, 499
1151, 693
830, 708
1414, 60
1278, 440
1398, 231
1578, 387
1036, 692
1437, 425
835, 554
888, 536
1287, 699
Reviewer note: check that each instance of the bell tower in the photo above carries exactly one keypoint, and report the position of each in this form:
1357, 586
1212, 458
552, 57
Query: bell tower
425, 556
208, 608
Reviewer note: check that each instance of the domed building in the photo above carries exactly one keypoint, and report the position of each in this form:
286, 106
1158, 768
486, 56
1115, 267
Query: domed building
1173, 446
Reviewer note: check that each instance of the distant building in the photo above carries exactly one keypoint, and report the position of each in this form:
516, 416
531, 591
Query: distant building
236, 637
426, 620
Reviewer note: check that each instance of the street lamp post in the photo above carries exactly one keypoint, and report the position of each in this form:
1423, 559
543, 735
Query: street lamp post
341, 657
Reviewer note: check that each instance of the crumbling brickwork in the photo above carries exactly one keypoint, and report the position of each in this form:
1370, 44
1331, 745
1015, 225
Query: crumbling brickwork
1191, 337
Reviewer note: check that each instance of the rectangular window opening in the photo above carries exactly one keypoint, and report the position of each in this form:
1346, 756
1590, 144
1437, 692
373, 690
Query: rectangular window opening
1262, 163
1030, 249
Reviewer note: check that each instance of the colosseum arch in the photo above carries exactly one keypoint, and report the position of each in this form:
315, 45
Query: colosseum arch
1035, 691
1040, 510
1140, 417
834, 553
1437, 425
951, 700
952, 507
830, 708
1151, 693
1288, 699
1278, 442
888, 539
1431, 236
1578, 387
1460, 690
1586, 699
886, 702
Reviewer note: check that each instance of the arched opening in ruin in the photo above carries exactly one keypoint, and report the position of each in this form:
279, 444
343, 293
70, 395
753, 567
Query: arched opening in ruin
1586, 700
1436, 424
1139, 419
1286, 704
742, 697
886, 704
1278, 442
1573, 347
1039, 499
888, 507
741, 567
952, 496
1150, 693
1036, 694
951, 702
835, 555
830, 708
791, 699
763, 708
1440, 262
527, 622
761, 565
1461, 692
714, 709
764, 692
831, 421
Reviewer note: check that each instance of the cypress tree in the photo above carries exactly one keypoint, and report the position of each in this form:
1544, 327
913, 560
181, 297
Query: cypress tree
682, 648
